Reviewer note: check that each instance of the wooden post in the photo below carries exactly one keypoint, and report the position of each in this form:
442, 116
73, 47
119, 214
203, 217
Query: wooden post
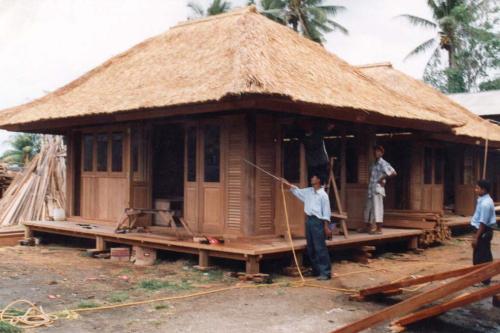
252, 264
413, 243
203, 259
28, 233
100, 244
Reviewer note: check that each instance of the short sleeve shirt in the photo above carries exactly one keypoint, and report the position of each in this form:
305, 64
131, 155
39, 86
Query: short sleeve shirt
378, 169
484, 213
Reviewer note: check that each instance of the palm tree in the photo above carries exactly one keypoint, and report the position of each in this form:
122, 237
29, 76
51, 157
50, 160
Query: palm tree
312, 18
445, 23
215, 8
23, 147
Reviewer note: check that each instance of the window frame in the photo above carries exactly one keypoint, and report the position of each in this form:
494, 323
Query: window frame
109, 133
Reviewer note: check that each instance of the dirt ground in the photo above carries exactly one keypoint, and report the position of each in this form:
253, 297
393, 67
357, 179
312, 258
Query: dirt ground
60, 277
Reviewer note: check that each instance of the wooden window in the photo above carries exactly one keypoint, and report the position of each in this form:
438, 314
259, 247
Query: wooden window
351, 162
291, 160
439, 166
117, 152
102, 152
428, 166
191, 154
136, 136
88, 152
211, 153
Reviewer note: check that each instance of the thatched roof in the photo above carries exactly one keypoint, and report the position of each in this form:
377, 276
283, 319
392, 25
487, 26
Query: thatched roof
416, 90
238, 55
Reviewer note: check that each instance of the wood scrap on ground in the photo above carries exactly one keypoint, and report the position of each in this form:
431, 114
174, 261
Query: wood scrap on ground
466, 278
41, 187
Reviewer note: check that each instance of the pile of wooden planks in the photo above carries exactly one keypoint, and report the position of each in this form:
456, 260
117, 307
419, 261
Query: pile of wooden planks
5, 178
431, 223
414, 308
34, 193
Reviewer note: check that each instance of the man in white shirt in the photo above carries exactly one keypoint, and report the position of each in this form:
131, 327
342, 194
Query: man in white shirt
318, 211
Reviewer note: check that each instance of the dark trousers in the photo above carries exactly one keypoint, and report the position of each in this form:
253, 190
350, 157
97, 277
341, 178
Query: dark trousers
482, 251
316, 246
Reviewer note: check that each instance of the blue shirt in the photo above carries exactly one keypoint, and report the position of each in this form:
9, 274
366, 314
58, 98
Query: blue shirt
484, 213
315, 202
379, 168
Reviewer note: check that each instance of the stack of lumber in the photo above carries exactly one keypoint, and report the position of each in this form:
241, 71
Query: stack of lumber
5, 178
431, 223
34, 193
421, 306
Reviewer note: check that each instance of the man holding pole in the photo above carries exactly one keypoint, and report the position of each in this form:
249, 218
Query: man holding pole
318, 211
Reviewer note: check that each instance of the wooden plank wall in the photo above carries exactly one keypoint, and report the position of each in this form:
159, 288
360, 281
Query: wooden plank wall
264, 185
235, 180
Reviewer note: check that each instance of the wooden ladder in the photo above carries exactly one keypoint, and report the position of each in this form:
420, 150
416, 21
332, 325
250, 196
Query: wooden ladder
340, 215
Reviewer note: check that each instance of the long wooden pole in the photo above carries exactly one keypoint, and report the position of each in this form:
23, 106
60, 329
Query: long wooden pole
424, 298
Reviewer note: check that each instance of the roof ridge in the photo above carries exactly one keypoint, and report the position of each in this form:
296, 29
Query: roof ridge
376, 64
234, 12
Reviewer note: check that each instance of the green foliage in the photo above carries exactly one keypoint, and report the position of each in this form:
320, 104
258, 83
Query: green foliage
8, 328
465, 30
87, 305
23, 147
490, 85
118, 297
215, 7
312, 18
154, 285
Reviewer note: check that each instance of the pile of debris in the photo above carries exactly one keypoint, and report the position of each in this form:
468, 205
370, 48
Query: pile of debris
41, 187
432, 224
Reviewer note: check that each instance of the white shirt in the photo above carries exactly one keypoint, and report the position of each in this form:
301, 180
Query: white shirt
315, 202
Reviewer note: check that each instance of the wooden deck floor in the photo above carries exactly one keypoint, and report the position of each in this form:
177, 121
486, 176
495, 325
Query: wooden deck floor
249, 250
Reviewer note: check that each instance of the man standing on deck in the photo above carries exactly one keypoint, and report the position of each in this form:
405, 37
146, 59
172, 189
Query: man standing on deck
483, 220
311, 135
317, 209
374, 208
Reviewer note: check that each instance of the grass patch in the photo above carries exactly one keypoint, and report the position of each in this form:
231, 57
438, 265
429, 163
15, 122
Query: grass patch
118, 297
162, 306
154, 285
8, 328
87, 305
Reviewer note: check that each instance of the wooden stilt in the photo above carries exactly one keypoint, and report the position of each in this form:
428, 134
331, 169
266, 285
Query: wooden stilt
252, 264
413, 243
100, 244
203, 259
28, 233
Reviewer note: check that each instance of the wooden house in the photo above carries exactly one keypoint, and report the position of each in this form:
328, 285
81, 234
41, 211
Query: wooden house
169, 122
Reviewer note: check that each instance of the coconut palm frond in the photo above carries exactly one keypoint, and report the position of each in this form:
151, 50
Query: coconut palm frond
429, 44
416, 20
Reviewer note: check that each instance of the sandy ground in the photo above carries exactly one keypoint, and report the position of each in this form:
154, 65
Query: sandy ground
60, 277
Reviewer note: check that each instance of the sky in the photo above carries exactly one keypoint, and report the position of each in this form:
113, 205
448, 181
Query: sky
45, 44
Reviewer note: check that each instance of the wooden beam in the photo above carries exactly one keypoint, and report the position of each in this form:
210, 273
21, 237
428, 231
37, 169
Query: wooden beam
424, 298
203, 259
420, 280
100, 244
252, 264
446, 306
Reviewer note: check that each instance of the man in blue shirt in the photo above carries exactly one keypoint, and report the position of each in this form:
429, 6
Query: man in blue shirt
318, 211
483, 220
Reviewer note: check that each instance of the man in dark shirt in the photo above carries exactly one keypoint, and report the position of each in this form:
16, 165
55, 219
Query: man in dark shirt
311, 135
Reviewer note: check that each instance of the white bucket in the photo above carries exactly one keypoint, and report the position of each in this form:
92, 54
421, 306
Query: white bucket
59, 214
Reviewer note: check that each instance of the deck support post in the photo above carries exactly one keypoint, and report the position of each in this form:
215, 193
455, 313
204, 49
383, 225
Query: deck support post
253, 264
300, 258
203, 259
100, 244
413, 243
28, 233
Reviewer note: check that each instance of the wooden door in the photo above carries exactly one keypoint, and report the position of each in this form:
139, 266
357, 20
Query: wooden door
433, 179
467, 173
204, 192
